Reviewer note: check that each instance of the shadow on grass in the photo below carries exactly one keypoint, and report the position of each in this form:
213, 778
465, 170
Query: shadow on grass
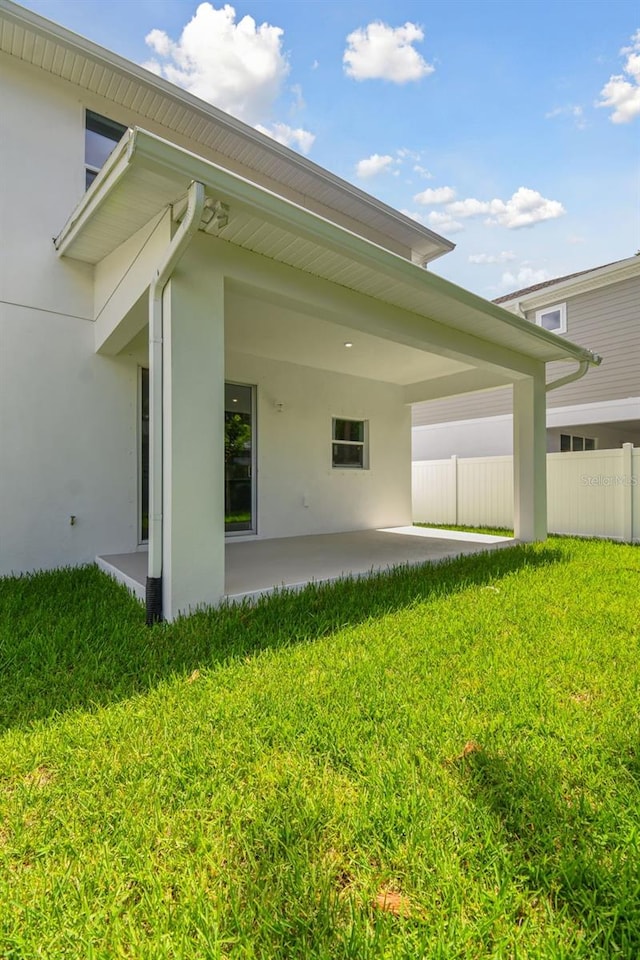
562, 849
74, 639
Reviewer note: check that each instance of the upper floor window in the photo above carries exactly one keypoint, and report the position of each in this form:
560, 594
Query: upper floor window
100, 137
553, 318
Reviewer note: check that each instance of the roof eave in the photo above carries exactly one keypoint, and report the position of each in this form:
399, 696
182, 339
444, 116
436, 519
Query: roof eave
583, 282
139, 146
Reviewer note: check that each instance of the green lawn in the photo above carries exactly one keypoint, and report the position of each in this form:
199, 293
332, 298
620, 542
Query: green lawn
440, 763
495, 531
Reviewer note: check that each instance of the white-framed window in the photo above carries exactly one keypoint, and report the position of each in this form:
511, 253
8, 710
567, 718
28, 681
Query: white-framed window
553, 318
571, 444
350, 443
100, 137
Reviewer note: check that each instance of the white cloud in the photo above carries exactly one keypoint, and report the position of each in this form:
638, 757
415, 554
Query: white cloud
296, 137
503, 257
394, 163
470, 207
435, 195
621, 94
405, 154
440, 222
525, 277
153, 67
523, 209
379, 51
443, 222
159, 41
298, 99
239, 67
373, 165
574, 111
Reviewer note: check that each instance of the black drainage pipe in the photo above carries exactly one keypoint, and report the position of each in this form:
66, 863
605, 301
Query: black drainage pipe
154, 600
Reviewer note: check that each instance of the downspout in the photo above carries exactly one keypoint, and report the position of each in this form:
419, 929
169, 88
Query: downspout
583, 366
175, 250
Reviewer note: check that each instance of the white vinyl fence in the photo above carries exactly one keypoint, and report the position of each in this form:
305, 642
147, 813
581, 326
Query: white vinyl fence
595, 493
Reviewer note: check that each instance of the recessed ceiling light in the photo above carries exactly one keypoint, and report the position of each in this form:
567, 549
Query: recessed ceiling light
348, 343
235, 400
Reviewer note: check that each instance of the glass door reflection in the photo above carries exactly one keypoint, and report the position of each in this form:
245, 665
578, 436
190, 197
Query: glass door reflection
239, 456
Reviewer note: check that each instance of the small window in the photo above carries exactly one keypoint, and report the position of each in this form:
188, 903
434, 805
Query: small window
553, 318
569, 443
350, 444
100, 137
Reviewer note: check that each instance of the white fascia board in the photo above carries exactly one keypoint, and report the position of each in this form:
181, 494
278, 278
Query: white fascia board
140, 147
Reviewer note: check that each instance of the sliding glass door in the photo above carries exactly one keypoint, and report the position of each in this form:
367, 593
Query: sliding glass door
239, 458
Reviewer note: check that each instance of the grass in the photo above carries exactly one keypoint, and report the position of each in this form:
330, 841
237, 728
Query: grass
439, 763
496, 531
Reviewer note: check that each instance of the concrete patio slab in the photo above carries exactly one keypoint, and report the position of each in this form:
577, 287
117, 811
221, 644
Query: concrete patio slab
296, 561
258, 567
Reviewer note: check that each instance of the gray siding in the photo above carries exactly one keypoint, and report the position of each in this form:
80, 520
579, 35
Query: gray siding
489, 403
606, 321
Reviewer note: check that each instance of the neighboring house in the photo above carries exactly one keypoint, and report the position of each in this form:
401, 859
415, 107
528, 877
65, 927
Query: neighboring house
218, 339
599, 308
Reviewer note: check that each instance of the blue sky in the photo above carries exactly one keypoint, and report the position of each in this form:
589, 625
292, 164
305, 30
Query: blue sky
481, 118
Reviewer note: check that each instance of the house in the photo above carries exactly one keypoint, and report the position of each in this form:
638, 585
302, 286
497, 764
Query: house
598, 307
207, 339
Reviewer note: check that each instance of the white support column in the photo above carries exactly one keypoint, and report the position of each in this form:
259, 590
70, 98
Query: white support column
530, 458
193, 447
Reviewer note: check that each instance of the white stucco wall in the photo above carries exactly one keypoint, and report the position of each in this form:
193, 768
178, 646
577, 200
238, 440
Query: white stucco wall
42, 164
299, 492
67, 442
67, 417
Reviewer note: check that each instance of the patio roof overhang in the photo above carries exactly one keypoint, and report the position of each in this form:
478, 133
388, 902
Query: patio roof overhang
146, 175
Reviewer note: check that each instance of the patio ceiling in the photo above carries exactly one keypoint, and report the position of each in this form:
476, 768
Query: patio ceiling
276, 330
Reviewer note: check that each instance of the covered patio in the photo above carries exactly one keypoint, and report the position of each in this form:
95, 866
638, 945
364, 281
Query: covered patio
326, 326
258, 567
